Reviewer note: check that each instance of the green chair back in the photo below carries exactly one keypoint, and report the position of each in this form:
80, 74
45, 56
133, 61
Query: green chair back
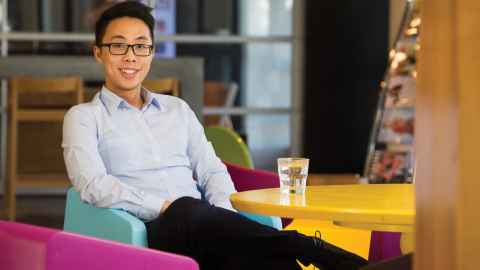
229, 146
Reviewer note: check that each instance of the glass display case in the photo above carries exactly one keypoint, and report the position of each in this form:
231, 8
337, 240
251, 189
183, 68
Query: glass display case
391, 157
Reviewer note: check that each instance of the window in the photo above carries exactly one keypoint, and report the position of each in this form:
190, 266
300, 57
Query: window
247, 42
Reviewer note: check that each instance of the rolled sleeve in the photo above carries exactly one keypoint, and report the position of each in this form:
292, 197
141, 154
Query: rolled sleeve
151, 206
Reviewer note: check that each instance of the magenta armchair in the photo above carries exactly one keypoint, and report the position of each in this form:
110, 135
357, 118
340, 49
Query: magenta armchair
384, 245
36, 248
249, 179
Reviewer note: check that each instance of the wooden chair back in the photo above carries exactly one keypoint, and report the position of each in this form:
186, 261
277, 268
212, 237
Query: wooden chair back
54, 93
36, 110
222, 95
167, 86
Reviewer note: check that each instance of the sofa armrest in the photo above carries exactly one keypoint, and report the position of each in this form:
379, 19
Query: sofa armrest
105, 223
274, 222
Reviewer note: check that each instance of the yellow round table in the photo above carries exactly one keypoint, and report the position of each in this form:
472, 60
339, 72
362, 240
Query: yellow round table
388, 207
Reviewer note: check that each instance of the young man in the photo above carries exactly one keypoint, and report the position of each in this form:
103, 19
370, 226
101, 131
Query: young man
146, 153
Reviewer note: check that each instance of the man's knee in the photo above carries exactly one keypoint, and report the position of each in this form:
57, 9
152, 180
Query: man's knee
186, 212
182, 206
185, 202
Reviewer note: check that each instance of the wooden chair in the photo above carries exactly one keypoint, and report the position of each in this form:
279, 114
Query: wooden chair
168, 86
36, 110
219, 95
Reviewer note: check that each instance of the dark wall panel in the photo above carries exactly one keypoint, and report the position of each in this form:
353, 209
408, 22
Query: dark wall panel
346, 53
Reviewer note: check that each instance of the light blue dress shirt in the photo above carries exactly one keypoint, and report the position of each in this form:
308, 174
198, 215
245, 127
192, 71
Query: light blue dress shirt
119, 156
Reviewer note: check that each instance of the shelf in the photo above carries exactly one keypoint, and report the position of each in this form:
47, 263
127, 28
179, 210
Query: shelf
40, 115
43, 180
399, 147
401, 107
390, 149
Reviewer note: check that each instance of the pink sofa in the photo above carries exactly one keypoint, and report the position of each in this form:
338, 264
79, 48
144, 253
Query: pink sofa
36, 248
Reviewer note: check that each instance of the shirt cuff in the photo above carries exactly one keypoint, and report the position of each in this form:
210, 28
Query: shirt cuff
225, 204
152, 205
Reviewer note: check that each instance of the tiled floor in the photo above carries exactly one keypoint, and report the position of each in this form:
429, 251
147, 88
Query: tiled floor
47, 211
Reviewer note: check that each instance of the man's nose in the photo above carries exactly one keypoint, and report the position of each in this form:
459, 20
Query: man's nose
130, 55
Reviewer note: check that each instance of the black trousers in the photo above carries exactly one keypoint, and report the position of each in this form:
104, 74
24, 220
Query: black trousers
221, 239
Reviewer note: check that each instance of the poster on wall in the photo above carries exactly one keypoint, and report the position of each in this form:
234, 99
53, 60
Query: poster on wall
390, 166
400, 92
397, 126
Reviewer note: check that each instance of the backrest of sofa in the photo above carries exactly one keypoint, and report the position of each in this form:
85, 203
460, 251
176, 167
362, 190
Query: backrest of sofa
76, 252
23, 246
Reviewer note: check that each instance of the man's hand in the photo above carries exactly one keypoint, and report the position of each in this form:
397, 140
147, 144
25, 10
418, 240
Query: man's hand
165, 205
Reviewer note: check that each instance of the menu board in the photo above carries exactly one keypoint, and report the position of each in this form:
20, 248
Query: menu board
391, 157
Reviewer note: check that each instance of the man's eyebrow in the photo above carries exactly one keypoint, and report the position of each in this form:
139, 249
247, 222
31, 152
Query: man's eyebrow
142, 38
118, 37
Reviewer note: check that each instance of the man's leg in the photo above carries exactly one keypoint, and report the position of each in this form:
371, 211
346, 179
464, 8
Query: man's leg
197, 225
207, 233
242, 263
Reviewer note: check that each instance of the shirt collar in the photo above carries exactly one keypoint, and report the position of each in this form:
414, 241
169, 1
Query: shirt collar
151, 99
114, 102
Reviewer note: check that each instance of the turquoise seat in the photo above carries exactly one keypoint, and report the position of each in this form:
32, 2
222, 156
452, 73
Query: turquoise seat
105, 223
274, 222
117, 225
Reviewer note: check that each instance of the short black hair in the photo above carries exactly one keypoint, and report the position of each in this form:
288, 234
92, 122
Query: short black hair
131, 9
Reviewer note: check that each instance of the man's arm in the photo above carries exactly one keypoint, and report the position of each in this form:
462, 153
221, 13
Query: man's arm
208, 169
88, 174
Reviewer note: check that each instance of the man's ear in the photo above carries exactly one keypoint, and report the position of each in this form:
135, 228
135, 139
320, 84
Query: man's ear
97, 52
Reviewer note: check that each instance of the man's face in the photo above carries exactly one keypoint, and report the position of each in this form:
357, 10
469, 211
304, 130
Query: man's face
125, 72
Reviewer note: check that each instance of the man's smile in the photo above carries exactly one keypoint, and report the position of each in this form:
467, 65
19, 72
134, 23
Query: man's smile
129, 72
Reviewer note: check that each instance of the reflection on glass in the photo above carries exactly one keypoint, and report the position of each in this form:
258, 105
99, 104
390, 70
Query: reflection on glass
284, 199
266, 17
293, 199
268, 137
267, 72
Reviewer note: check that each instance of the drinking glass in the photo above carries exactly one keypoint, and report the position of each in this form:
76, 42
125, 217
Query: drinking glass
293, 174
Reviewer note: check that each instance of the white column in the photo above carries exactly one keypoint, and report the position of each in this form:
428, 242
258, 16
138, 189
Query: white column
3, 97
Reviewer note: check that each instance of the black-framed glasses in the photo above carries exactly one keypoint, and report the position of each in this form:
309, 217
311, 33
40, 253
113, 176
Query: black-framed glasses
122, 48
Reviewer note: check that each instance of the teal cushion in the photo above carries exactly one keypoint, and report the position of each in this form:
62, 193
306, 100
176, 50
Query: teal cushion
119, 225
111, 224
274, 222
